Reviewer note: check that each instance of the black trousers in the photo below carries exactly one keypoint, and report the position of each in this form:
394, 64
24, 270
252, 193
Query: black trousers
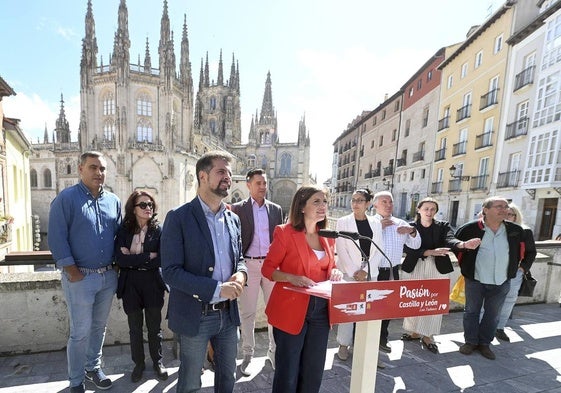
384, 275
153, 318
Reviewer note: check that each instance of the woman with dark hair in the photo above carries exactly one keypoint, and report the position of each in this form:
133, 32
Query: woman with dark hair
350, 260
299, 257
137, 251
431, 260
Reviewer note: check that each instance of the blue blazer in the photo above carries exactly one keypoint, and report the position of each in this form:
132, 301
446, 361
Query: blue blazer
187, 255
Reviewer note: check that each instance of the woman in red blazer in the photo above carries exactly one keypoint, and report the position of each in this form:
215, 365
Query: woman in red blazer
299, 257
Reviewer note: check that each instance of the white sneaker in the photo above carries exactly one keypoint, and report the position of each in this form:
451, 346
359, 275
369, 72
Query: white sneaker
271, 357
245, 364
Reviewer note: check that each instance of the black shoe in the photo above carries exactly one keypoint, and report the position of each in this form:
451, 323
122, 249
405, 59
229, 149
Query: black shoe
385, 347
429, 345
99, 379
161, 371
78, 388
137, 372
501, 335
467, 348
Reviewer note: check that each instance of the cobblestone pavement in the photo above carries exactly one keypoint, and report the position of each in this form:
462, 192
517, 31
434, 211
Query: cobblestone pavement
530, 363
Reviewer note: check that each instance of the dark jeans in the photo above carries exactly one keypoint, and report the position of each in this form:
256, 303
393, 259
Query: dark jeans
300, 358
482, 332
384, 275
153, 318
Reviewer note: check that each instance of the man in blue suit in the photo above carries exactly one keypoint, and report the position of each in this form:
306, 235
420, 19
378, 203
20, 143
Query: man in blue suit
202, 263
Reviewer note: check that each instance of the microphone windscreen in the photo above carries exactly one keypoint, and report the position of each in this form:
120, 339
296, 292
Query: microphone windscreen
328, 233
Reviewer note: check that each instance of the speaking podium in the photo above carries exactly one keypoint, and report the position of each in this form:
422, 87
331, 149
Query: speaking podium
367, 303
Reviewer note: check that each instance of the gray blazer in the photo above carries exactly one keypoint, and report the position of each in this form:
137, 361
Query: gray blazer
245, 211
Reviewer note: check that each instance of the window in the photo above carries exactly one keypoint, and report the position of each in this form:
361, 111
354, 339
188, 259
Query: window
212, 103
47, 180
498, 44
286, 162
68, 169
464, 70
423, 173
108, 130
384, 114
372, 144
108, 104
144, 131
394, 135
374, 121
144, 105
429, 76
412, 175
478, 59
251, 161
407, 127
33, 178
381, 140
450, 82
419, 84
396, 106
541, 157
548, 105
425, 116
411, 90
551, 49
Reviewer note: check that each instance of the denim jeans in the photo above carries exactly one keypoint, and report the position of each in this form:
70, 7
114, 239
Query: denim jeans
510, 299
89, 302
218, 328
300, 358
476, 331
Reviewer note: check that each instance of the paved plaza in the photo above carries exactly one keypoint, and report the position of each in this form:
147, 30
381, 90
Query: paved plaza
530, 363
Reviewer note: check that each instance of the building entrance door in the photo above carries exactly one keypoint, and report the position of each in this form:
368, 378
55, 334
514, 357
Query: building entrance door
549, 215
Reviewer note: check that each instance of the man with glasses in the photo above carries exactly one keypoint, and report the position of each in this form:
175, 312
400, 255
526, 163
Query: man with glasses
487, 270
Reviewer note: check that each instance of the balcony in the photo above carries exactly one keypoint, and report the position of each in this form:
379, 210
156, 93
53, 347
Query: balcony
491, 98
479, 183
440, 155
459, 148
401, 162
463, 113
508, 179
388, 171
518, 128
455, 185
418, 156
372, 173
444, 123
436, 187
483, 140
524, 78
146, 146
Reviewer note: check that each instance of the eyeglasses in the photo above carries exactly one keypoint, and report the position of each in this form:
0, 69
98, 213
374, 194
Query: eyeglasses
511, 215
357, 200
144, 205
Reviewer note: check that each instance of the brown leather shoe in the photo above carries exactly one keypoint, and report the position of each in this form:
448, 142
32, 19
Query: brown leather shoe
486, 352
467, 348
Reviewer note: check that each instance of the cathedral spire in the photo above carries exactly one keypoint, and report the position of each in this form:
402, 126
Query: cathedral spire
220, 79
201, 77
238, 78
232, 82
302, 132
121, 44
88, 62
62, 128
46, 135
267, 109
185, 65
207, 83
147, 60
164, 35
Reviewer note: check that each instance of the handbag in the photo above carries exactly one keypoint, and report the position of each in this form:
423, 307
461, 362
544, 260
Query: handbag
458, 293
528, 285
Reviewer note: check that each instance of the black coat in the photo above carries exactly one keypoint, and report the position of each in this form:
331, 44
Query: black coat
138, 270
444, 237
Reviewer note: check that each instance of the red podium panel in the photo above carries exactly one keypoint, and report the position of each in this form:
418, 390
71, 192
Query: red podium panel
369, 300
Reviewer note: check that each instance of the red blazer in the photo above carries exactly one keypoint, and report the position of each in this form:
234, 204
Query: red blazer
289, 252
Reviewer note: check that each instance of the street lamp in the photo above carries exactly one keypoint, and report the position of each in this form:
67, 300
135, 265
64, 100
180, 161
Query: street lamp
452, 170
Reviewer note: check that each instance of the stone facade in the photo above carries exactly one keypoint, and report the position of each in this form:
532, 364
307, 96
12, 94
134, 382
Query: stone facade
152, 129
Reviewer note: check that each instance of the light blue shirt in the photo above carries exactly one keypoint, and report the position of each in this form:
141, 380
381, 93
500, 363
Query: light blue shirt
261, 239
82, 228
491, 262
221, 243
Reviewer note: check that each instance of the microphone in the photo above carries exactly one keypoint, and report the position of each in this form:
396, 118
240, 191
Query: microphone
335, 234
350, 236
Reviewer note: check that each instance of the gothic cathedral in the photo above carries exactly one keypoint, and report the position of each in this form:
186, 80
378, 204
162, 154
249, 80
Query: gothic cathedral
152, 128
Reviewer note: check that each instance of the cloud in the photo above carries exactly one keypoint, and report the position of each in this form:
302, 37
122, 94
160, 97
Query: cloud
51, 25
35, 112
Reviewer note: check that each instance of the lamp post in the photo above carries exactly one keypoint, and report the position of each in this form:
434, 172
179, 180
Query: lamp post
453, 175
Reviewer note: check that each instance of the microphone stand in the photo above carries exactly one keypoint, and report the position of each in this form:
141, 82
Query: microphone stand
364, 256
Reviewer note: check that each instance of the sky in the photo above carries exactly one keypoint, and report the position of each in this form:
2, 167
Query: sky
329, 60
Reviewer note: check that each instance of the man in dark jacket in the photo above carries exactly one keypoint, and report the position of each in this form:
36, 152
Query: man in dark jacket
488, 269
